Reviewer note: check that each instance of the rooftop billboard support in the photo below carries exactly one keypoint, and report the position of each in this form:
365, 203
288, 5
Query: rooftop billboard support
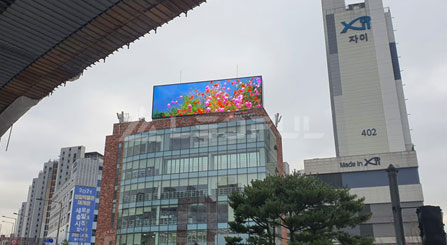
188, 99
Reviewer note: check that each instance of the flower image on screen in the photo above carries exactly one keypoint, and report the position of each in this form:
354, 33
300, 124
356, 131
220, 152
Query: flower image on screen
229, 95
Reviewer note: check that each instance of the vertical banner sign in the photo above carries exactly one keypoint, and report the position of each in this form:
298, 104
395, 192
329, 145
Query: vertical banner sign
82, 214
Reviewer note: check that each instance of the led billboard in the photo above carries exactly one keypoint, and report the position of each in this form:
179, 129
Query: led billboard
187, 99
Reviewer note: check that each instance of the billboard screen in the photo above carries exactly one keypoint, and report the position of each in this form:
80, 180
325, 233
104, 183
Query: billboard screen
82, 214
207, 97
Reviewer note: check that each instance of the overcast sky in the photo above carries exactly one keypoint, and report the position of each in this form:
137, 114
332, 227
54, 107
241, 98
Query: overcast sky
282, 40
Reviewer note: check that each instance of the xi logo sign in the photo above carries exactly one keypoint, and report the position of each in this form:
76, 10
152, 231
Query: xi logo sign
360, 24
373, 161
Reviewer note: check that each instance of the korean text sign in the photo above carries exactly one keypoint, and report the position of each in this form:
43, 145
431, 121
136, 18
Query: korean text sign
82, 214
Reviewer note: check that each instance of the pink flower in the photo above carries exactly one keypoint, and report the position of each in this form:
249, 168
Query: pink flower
189, 106
222, 109
208, 109
181, 97
169, 105
258, 106
228, 89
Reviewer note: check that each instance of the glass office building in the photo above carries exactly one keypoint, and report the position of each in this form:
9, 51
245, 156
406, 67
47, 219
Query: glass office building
174, 182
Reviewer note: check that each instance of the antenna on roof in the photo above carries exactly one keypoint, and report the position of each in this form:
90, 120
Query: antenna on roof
122, 117
278, 118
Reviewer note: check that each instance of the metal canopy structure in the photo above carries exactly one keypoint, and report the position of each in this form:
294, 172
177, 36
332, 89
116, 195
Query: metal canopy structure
45, 43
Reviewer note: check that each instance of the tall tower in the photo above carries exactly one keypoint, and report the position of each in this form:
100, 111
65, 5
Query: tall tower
369, 117
368, 103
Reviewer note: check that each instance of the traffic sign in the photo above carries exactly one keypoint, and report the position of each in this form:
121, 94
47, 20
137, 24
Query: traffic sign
14, 241
48, 240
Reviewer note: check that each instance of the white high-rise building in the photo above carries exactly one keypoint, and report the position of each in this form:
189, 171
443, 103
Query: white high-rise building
67, 157
36, 218
20, 220
85, 172
35, 208
369, 117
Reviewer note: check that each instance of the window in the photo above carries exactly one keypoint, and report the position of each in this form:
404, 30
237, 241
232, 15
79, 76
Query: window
196, 237
154, 144
232, 135
168, 215
252, 159
180, 141
242, 161
203, 166
167, 238
140, 197
148, 238
221, 136
197, 213
232, 161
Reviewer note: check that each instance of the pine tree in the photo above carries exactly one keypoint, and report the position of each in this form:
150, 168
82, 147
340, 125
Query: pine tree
313, 212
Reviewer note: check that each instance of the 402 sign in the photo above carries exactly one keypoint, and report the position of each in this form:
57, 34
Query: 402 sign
369, 132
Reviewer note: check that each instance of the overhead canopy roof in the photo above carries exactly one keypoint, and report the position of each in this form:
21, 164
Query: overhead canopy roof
46, 43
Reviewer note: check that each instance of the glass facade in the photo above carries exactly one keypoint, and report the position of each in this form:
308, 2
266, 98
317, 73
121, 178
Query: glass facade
175, 182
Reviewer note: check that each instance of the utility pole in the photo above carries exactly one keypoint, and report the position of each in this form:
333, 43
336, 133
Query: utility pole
395, 201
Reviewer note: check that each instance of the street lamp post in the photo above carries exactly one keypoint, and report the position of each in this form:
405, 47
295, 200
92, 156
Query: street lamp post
14, 224
60, 213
